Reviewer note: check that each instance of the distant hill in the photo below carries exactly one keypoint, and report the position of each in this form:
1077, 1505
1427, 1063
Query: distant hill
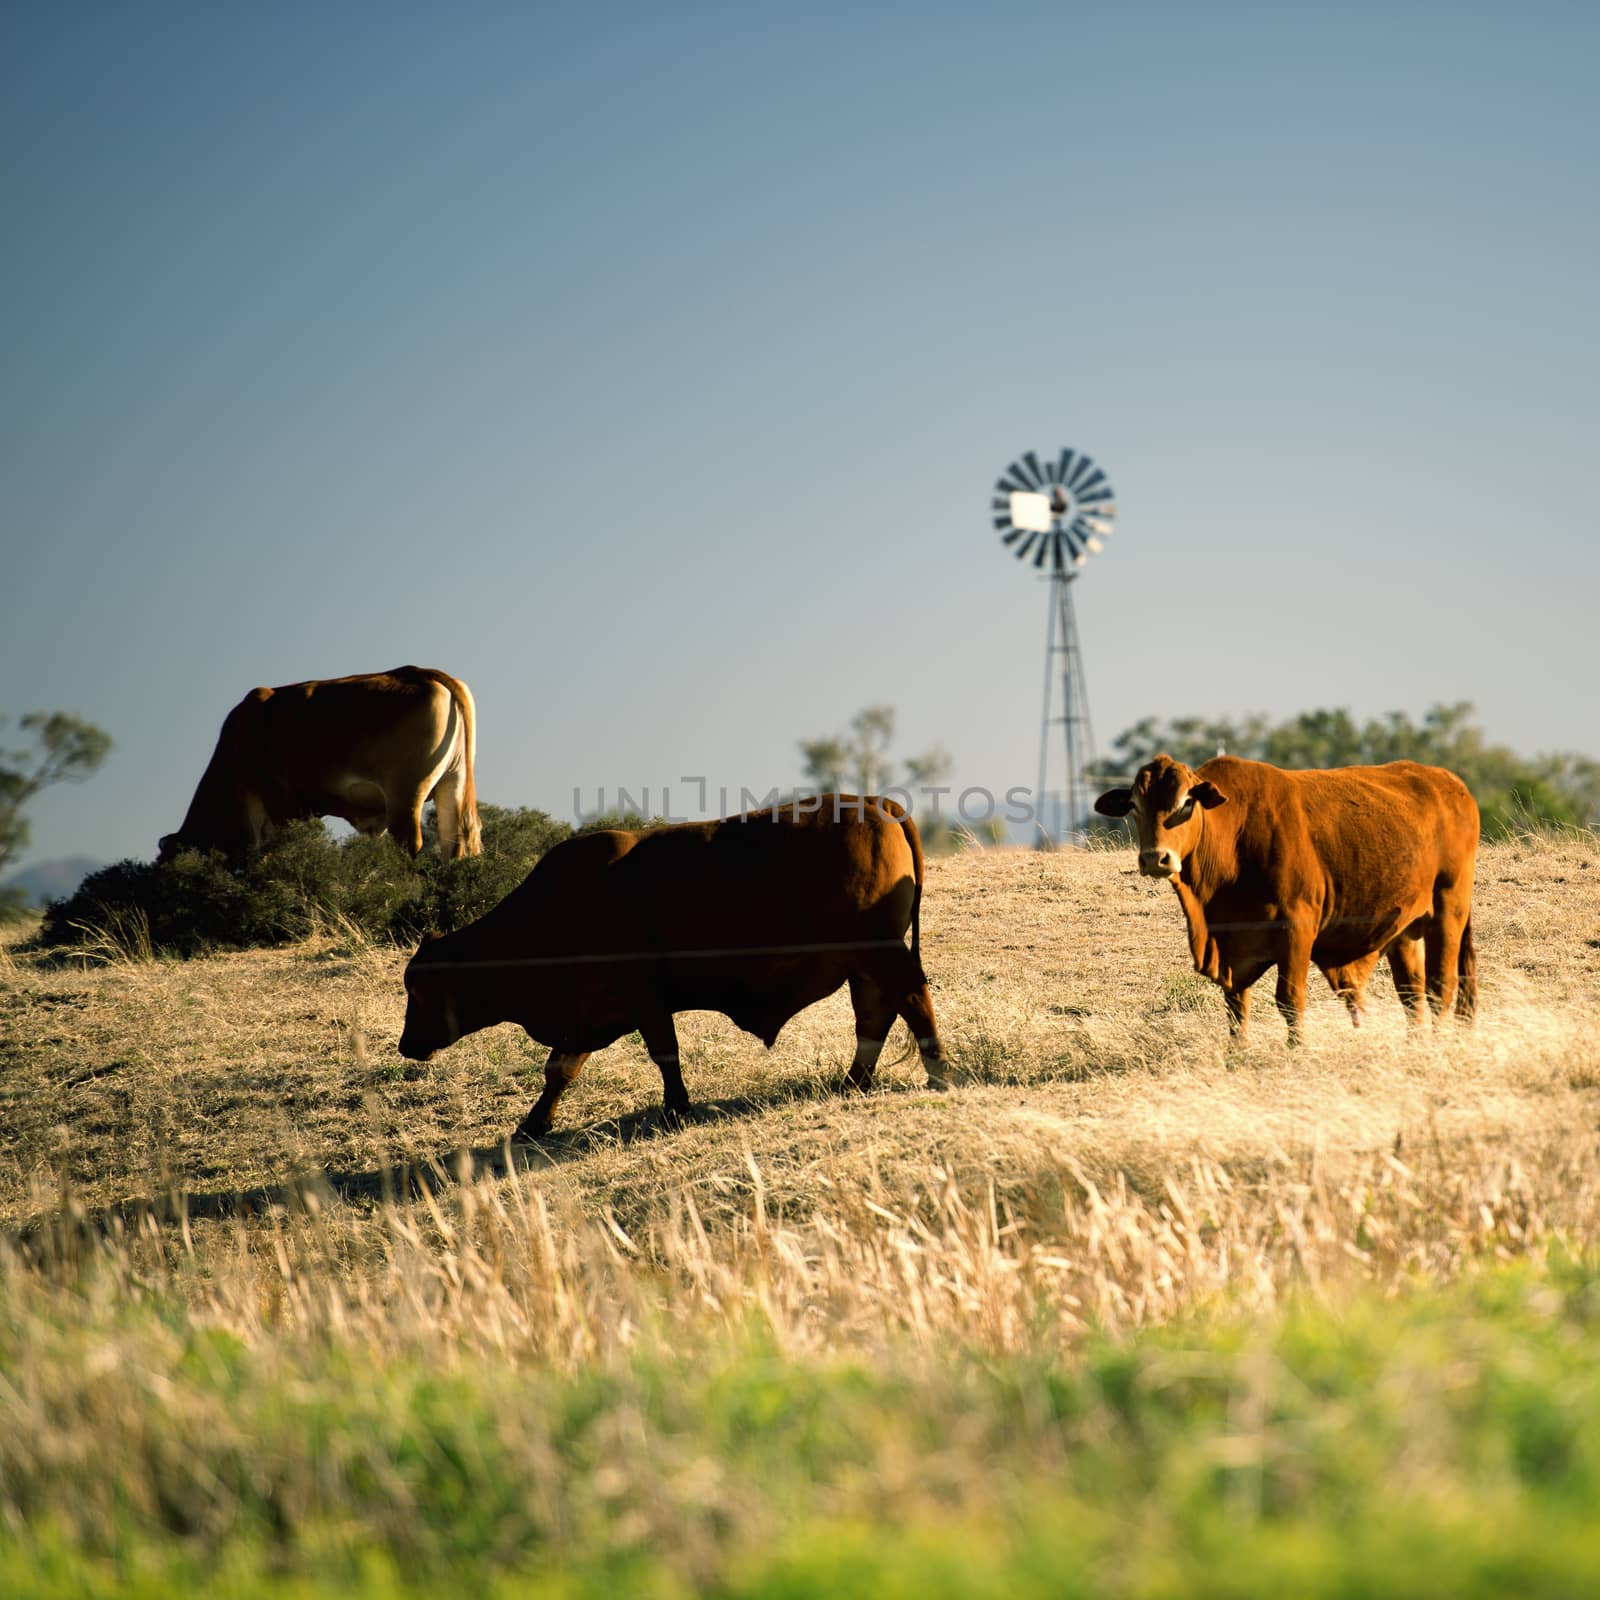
52, 880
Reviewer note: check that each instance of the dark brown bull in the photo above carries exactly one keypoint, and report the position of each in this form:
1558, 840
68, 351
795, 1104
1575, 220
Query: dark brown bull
1335, 867
756, 916
370, 749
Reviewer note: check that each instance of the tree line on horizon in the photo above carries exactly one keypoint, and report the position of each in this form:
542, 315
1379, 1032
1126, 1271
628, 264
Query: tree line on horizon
1514, 792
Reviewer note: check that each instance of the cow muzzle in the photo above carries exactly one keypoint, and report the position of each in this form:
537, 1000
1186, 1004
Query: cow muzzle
414, 1050
1160, 863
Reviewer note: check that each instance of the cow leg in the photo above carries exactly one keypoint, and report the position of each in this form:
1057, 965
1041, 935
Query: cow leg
661, 1040
1236, 993
1238, 1003
1294, 967
447, 813
894, 987
256, 820
1405, 965
916, 1006
1349, 982
1442, 941
874, 1009
559, 1070
405, 821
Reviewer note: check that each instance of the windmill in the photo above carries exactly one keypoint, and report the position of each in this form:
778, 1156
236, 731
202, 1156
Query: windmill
1057, 514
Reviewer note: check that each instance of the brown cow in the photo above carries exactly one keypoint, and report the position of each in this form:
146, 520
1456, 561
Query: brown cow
370, 749
1335, 867
756, 916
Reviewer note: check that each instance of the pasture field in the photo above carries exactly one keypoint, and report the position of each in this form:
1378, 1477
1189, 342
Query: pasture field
1128, 1313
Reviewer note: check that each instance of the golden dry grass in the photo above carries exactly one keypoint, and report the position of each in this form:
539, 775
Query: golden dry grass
242, 1128
270, 1295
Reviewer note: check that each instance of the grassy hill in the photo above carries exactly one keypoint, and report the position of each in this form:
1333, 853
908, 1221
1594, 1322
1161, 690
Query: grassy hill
1129, 1313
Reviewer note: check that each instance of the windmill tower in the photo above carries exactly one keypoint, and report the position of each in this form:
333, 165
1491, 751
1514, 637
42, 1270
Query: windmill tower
1056, 515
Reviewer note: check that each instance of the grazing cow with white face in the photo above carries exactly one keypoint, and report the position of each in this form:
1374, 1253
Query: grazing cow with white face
371, 749
1334, 867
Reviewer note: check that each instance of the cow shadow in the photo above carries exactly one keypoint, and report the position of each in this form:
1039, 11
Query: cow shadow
414, 1175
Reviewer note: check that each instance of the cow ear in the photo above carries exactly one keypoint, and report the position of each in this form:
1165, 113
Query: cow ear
1208, 794
1115, 803
430, 937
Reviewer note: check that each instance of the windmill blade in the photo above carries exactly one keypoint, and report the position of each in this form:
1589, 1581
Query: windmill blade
1055, 513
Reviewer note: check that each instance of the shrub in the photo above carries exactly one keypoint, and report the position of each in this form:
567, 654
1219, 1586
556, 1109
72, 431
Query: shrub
204, 901
628, 820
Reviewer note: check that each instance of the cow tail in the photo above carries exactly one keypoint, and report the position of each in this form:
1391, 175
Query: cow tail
1467, 993
471, 828
467, 823
914, 839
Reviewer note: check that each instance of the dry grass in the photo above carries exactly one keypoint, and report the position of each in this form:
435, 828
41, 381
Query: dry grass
272, 1300
241, 1130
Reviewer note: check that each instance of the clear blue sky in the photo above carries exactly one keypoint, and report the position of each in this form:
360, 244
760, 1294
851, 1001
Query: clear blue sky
649, 367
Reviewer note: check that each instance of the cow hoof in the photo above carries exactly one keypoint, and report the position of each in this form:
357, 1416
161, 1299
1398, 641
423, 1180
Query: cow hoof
675, 1117
530, 1132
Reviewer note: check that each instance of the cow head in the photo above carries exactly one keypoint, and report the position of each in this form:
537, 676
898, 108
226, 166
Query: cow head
433, 1003
168, 847
1167, 802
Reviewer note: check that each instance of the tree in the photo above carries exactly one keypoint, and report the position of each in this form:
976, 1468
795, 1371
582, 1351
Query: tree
826, 761
860, 760
66, 749
1511, 791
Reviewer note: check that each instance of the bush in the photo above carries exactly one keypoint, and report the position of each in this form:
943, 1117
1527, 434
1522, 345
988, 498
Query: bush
629, 821
304, 878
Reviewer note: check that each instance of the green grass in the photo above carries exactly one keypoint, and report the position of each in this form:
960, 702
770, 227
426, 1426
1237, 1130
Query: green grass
1446, 1440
